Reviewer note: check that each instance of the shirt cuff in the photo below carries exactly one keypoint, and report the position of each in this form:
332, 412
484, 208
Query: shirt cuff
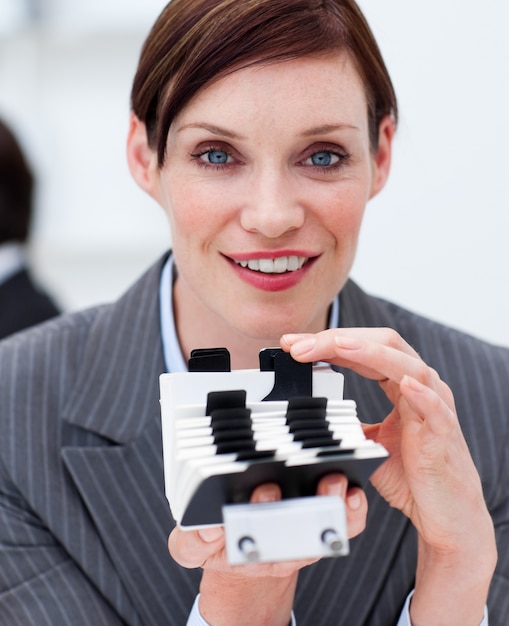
404, 618
195, 618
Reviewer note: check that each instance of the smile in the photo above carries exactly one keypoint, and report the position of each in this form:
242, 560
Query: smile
280, 265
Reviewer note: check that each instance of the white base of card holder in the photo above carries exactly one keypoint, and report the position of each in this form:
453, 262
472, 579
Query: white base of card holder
297, 528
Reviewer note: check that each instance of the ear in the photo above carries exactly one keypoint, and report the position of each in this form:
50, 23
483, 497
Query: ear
141, 158
383, 155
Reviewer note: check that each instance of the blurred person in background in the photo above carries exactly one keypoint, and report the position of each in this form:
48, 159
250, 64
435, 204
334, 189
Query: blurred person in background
22, 302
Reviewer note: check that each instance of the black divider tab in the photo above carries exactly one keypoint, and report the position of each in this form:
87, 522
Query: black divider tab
233, 434
291, 378
320, 442
308, 433
209, 360
303, 424
307, 421
216, 400
255, 455
228, 447
230, 416
220, 420
305, 406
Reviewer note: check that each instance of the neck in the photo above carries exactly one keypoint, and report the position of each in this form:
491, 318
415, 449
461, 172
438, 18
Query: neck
194, 333
199, 327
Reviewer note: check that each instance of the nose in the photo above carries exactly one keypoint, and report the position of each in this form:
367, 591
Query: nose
271, 207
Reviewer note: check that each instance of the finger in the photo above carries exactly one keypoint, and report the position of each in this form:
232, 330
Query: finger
425, 404
438, 460
376, 353
191, 548
356, 503
378, 357
382, 355
269, 492
385, 336
356, 511
333, 485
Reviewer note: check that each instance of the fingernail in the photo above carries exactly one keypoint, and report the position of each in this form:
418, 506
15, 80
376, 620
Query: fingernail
303, 346
333, 486
268, 494
211, 534
347, 343
288, 339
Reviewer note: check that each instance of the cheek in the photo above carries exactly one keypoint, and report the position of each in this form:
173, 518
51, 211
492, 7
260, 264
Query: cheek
185, 221
190, 211
342, 214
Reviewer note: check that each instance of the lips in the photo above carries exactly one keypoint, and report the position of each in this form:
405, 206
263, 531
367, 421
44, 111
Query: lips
272, 273
278, 265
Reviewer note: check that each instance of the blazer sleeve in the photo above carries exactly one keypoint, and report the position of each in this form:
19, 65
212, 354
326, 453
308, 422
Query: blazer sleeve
39, 583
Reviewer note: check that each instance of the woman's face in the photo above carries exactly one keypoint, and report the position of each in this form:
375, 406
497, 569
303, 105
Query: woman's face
267, 175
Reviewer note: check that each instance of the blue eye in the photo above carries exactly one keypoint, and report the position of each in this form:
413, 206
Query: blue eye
217, 157
323, 159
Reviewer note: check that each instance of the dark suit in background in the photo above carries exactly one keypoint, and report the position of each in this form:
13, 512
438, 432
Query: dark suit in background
23, 304
83, 517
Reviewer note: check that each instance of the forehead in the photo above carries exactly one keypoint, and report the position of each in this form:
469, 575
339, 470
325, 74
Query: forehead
302, 91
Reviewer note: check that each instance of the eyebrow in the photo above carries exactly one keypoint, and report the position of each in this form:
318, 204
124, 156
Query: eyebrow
311, 132
328, 128
212, 128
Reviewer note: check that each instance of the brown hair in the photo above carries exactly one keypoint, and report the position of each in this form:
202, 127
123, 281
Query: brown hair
16, 189
195, 42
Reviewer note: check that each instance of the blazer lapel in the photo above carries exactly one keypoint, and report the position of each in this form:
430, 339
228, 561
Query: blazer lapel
114, 457
122, 488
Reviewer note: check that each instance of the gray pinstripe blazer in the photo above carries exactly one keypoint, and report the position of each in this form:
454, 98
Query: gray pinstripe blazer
83, 516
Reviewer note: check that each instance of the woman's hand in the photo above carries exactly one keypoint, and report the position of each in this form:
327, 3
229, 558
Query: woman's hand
430, 475
258, 593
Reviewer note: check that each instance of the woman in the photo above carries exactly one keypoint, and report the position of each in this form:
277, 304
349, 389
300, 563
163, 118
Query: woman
262, 128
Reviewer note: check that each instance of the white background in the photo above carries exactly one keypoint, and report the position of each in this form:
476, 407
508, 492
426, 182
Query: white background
435, 240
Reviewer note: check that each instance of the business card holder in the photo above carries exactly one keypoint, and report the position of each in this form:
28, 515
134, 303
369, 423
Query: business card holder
226, 432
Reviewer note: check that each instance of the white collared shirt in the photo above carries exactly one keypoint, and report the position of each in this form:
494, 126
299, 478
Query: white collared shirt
12, 259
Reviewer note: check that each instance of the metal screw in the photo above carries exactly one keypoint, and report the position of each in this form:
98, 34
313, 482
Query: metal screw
247, 546
332, 540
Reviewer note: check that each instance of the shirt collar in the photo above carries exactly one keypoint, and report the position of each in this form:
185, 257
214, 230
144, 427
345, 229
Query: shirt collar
12, 259
173, 359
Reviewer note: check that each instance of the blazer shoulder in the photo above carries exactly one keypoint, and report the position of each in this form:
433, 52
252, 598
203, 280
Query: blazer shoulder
439, 345
447, 347
67, 332
42, 357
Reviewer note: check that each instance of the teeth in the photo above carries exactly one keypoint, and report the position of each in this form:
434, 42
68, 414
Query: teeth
281, 264
274, 266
